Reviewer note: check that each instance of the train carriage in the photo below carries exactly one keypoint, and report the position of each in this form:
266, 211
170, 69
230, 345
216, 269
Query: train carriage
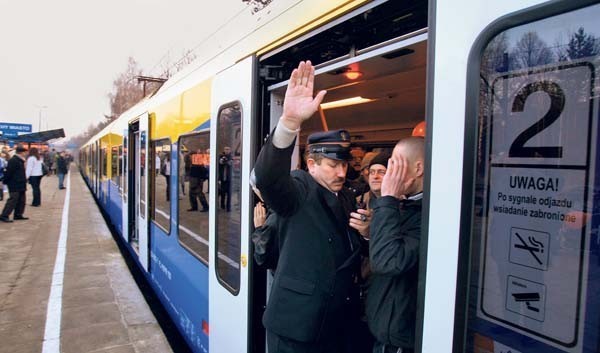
508, 90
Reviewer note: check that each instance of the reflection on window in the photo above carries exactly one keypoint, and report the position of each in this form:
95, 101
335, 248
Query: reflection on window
535, 198
104, 162
193, 167
125, 174
114, 165
160, 176
229, 146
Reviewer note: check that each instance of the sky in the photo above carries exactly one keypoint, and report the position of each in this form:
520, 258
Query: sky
59, 58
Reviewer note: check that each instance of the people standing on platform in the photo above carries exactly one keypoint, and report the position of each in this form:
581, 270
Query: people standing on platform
52, 156
34, 173
16, 180
3, 163
157, 164
225, 175
198, 175
183, 172
314, 297
165, 170
62, 168
395, 234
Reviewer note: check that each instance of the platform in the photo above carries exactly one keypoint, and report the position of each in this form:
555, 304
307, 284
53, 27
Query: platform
96, 305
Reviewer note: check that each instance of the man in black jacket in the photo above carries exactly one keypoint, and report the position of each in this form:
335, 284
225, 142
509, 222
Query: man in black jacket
15, 179
394, 250
314, 297
62, 168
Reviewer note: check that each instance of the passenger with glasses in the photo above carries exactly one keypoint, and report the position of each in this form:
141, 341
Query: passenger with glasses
377, 169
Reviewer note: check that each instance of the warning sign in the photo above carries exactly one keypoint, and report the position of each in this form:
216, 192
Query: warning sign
536, 191
529, 248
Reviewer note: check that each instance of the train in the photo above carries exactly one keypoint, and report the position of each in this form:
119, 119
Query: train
509, 94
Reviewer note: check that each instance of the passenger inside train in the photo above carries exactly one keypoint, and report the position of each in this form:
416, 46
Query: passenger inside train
317, 196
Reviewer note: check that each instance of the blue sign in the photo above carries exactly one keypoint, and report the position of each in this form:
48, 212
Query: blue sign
14, 130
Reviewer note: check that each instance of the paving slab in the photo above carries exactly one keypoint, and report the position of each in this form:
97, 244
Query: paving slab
103, 310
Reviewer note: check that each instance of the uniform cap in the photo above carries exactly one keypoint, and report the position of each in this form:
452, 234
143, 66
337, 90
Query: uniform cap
331, 144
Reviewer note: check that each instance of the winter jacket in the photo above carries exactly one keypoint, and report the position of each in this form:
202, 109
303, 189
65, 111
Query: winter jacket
394, 252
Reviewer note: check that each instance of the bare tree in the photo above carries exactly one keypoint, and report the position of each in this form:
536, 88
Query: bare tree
531, 51
126, 90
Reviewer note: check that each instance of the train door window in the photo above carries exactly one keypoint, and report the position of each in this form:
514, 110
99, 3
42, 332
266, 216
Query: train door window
533, 247
160, 176
114, 162
192, 178
228, 202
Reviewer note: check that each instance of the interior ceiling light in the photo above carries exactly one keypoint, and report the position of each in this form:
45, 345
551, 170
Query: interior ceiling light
353, 75
346, 102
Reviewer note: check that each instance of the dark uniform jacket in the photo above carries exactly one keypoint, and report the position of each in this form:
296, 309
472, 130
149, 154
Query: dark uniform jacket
394, 253
15, 177
314, 292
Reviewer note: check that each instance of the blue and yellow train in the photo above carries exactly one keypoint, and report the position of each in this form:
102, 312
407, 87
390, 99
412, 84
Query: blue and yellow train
509, 91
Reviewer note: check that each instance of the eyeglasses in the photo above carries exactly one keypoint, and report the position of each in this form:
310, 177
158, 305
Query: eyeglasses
380, 172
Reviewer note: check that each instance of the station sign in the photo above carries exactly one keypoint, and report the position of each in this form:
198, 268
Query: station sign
537, 201
14, 130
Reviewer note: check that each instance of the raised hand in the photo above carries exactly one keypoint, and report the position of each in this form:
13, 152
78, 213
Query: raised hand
299, 104
396, 181
260, 215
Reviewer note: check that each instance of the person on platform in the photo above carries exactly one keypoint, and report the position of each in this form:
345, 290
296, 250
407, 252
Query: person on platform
225, 175
198, 175
34, 173
16, 180
62, 168
3, 163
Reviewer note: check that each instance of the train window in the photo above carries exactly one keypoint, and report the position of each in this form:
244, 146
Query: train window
192, 178
125, 168
114, 163
120, 169
160, 175
228, 207
534, 250
104, 160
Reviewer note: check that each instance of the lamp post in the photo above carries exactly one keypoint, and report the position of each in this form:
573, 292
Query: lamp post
40, 107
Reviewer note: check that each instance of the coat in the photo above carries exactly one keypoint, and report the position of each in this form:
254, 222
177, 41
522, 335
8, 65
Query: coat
315, 291
394, 253
14, 177
62, 165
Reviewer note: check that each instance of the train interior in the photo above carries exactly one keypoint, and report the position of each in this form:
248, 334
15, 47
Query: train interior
382, 104
376, 89
373, 66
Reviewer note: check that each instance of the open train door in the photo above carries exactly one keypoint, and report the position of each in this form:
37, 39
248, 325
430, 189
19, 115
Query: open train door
231, 111
125, 183
138, 135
